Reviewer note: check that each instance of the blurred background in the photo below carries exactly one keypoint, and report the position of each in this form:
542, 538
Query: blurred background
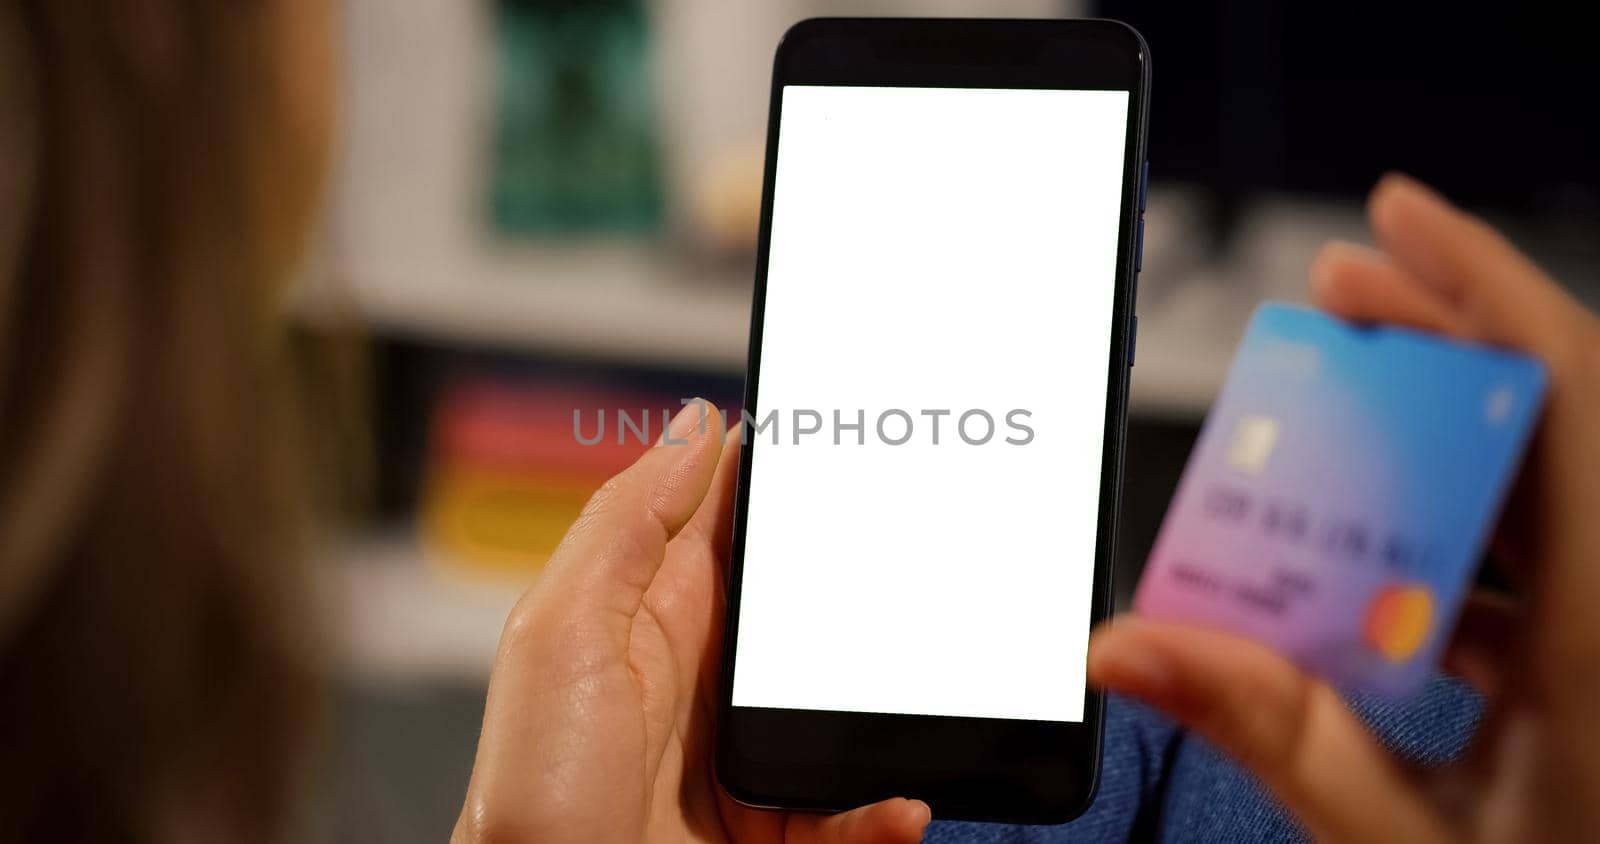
548, 205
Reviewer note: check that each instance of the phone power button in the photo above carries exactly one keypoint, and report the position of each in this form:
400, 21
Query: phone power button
1144, 189
1133, 341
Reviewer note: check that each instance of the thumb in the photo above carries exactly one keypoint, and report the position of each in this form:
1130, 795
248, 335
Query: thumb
1289, 729
561, 675
890, 821
611, 553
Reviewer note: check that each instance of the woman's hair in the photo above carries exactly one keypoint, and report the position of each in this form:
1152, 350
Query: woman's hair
155, 679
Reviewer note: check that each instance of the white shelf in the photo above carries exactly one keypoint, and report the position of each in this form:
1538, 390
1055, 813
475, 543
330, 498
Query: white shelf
627, 305
617, 302
617, 307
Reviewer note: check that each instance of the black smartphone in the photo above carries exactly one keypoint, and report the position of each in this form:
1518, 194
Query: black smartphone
934, 415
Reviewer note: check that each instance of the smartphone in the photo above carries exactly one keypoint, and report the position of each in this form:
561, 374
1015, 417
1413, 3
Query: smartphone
934, 414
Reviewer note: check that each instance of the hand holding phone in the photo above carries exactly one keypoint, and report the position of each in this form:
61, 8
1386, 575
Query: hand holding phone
1533, 770
599, 719
598, 723
934, 411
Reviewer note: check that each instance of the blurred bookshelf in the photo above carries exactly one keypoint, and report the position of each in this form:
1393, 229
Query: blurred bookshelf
419, 254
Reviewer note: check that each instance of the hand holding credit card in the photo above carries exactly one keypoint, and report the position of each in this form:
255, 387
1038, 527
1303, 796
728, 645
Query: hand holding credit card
1341, 494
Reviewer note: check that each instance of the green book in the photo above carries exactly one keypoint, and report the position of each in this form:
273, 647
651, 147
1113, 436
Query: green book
576, 150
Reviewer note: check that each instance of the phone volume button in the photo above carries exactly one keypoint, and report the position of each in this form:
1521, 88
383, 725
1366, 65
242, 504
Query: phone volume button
1138, 246
1144, 184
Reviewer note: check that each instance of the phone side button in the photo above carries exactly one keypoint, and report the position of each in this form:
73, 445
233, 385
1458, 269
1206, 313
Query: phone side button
1138, 247
1133, 341
1144, 184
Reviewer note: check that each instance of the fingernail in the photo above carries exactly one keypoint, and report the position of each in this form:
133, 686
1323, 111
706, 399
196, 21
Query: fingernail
924, 811
1321, 272
1396, 180
1337, 251
1395, 184
1345, 250
690, 417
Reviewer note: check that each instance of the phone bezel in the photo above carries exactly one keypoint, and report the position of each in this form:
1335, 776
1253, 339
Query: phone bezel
1008, 770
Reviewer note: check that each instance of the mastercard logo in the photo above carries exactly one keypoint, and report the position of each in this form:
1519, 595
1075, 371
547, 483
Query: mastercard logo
1398, 620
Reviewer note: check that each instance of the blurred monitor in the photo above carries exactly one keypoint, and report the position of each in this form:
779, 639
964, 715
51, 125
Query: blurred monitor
1496, 107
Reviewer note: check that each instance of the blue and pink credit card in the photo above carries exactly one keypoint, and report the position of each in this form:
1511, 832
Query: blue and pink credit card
1341, 494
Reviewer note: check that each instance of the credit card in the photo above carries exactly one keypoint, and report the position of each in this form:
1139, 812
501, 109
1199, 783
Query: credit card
1341, 493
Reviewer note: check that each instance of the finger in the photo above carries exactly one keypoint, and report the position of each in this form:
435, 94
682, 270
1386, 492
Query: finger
1292, 731
1480, 652
891, 821
687, 595
612, 552
1504, 297
1363, 285
711, 528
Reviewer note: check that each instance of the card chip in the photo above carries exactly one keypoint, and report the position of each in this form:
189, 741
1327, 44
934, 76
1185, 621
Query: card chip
1253, 439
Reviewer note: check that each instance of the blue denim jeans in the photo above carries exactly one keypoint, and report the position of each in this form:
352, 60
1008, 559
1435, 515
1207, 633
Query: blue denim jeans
1157, 783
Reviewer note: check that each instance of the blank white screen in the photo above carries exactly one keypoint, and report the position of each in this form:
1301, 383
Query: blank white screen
932, 248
